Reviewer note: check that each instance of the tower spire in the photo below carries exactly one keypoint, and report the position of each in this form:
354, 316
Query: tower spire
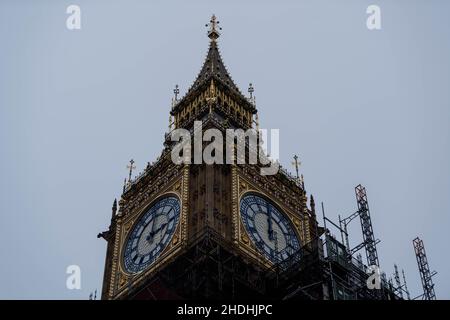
214, 67
214, 84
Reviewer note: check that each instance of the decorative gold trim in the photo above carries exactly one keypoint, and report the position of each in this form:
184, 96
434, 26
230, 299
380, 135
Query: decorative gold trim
298, 222
179, 189
234, 205
114, 259
185, 200
129, 224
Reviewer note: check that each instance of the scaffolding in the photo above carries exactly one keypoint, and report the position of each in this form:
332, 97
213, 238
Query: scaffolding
424, 269
323, 269
405, 285
348, 273
399, 287
366, 226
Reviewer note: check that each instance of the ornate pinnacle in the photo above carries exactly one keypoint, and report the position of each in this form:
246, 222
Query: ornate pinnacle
312, 204
131, 166
251, 90
176, 91
213, 32
251, 99
114, 208
296, 163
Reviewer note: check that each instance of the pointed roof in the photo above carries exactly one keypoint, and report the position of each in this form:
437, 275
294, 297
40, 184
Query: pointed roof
214, 67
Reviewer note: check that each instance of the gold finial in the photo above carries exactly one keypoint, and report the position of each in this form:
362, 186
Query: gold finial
213, 32
251, 90
131, 166
176, 91
296, 163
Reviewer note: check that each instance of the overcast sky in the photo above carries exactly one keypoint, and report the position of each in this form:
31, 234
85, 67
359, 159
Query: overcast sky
358, 106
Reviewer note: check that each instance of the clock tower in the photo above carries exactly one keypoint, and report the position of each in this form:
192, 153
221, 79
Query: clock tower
210, 231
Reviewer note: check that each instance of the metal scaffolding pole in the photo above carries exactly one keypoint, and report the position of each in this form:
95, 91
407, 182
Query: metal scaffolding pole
424, 269
366, 226
398, 289
405, 285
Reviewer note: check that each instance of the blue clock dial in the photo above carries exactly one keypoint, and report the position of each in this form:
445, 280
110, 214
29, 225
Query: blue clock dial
269, 229
151, 234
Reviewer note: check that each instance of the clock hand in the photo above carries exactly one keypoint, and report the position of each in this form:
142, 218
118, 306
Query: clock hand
158, 230
269, 222
152, 222
153, 225
150, 235
153, 232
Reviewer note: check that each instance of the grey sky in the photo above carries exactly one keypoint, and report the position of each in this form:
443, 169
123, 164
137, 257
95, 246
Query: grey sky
358, 106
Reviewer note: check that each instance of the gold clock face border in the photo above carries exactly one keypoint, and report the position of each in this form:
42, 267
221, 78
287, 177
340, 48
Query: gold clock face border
121, 277
132, 224
298, 226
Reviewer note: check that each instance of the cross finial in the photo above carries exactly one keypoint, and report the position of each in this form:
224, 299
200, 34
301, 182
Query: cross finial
131, 166
251, 90
176, 91
213, 32
296, 163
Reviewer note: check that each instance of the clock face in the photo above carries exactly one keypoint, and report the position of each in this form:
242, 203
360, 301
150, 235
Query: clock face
269, 229
151, 234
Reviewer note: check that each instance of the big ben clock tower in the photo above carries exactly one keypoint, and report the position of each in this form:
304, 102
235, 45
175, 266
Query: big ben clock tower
209, 231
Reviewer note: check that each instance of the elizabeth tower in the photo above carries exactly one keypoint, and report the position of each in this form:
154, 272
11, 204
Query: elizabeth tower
209, 231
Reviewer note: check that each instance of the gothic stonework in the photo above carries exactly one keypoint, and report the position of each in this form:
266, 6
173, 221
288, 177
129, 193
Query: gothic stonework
259, 185
123, 226
209, 196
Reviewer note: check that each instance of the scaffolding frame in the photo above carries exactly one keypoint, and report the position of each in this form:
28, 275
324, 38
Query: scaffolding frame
324, 268
426, 275
366, 226
399, 287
